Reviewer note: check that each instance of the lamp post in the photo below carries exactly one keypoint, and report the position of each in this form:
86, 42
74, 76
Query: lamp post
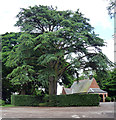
115, 33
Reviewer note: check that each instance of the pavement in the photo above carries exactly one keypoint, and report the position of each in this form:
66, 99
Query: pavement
104, 110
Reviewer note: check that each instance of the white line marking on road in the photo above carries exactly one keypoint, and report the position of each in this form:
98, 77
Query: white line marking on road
75, 116
83, 116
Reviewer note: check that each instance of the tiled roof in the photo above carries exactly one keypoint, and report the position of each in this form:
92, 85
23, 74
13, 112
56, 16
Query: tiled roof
96, 90
68, 90
84, 86
81, 86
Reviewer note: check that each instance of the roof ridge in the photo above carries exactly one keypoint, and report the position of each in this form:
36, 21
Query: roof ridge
67, 88
84, 79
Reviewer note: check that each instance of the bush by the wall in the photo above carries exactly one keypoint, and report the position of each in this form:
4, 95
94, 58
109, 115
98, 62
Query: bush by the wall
73, 100
113, 99
108, 99
43, 104
2, 102
25, 100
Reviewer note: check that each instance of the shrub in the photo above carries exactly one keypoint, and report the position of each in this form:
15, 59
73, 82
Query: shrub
108, 99
73, 100
43, 104
2, 102
113, 99
99, 98
25, 100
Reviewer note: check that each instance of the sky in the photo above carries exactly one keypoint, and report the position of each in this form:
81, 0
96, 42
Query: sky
95, 10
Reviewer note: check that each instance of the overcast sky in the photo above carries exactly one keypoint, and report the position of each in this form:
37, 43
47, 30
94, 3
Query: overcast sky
95, 10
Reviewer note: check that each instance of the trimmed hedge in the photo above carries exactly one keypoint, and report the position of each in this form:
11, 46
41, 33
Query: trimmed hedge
25, 100
56, 100
73, 100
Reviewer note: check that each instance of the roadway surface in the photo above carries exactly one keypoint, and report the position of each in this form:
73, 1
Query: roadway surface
105, 110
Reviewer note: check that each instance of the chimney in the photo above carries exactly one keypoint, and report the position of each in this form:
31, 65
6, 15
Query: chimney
90, 76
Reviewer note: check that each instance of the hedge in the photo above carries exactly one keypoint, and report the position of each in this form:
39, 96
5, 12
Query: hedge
73, 100
56, 100
25, 100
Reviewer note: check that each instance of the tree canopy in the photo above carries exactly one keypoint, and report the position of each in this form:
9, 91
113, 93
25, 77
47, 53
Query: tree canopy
107, 81
9, 40
54, 42
111, 8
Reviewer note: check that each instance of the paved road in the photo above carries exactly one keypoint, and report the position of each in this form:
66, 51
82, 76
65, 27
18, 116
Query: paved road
105, 110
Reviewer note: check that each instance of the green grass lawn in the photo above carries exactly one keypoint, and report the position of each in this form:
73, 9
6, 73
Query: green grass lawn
8, 105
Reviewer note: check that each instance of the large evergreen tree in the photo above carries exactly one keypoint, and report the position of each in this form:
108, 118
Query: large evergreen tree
64, 40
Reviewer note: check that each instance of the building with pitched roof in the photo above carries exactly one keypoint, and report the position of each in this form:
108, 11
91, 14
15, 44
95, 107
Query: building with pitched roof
89, 86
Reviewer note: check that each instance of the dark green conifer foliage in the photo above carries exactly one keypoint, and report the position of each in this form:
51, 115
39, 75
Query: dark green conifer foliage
9, 41
110, 85
21, 59
64, 40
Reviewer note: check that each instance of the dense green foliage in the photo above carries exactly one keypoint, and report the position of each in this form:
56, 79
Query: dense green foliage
51, 39
25, 100
10, 46
110, 83
107, 82
20, 64
75, 100
108, 99
59, 100
2, 102
54, 45
9, 41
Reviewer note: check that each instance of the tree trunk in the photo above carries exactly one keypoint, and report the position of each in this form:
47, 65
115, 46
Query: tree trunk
52, 86
22, 92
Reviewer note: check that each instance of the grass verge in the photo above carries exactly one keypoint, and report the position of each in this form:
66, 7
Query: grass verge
8, 105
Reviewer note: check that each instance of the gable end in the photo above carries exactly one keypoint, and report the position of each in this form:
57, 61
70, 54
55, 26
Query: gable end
94, 84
